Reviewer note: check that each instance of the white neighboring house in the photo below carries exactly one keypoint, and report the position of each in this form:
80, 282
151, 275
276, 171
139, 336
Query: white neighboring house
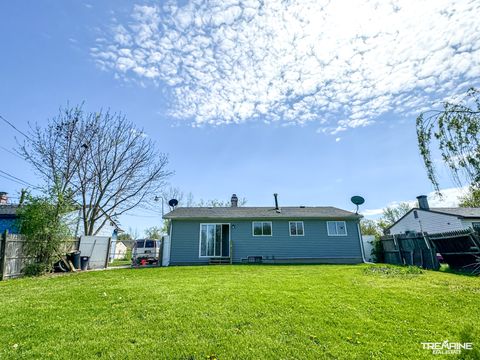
119, 250
436, 220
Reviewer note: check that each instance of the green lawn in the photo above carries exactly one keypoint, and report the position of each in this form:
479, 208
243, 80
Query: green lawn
238, 312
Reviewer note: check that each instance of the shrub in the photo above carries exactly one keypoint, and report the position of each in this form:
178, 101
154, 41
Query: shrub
377, 250
35, 269
42, 224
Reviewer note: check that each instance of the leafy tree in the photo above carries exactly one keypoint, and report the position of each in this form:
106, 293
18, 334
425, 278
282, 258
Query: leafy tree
455, 130
392, 214
370, 227
42, 222
377, 227
99, 160
124, 237
472, 199
154, 233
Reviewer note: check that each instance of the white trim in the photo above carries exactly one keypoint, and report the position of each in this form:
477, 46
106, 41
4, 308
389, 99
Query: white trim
221, 243
336, 227
261, 221
290, 229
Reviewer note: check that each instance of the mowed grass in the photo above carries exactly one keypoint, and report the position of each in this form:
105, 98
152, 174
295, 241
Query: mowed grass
238, 312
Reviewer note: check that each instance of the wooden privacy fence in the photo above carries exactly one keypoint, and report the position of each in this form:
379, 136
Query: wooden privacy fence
460, 249
12, 255
410, 249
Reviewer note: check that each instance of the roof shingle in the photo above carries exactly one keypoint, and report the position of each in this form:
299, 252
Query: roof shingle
317, 212
459, 211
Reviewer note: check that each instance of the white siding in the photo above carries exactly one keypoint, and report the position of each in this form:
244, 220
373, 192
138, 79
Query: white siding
468, 223
429, 222
368, 247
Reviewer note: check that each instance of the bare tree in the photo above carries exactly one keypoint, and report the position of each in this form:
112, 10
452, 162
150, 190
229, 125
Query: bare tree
99, 160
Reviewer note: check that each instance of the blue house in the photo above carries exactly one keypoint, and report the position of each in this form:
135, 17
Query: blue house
206, 235
8, 218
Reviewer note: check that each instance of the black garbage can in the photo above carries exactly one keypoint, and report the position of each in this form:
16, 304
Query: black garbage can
84, 262
74, 257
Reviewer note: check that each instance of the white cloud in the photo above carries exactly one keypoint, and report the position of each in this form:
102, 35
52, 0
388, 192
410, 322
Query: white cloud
301, 61
449, 198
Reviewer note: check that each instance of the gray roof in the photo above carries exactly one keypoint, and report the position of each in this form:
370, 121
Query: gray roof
317, 212
459, 211
8, 210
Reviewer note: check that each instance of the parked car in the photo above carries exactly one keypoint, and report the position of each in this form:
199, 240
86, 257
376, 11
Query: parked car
146, 251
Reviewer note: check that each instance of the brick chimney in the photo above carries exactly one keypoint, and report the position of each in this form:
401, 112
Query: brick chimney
234, 200
3, 198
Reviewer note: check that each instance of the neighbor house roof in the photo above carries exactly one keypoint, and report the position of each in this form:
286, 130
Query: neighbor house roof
317, 212
8, 210
459, 211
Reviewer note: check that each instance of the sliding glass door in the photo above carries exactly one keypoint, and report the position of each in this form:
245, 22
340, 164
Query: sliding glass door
213, 237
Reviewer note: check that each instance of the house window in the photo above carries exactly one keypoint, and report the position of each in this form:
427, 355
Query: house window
262, 228
296, 228
336, 228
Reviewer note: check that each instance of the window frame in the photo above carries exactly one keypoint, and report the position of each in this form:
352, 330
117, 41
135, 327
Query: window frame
262, 222
200, 256
296, 228
336, 227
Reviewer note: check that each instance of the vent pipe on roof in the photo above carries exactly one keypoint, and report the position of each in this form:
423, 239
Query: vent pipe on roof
234, 200
423, 202
276, 201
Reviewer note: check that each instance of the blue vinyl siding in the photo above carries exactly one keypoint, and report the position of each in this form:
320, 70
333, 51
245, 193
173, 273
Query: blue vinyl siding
314, 245
8, 224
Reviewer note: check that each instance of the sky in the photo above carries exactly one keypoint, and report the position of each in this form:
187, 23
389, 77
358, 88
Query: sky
314, 100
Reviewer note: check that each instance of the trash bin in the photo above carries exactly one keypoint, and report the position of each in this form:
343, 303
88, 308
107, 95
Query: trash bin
74, 257
84, 262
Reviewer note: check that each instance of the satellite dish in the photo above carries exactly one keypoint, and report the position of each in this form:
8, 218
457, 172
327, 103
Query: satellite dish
173, 203
357, 200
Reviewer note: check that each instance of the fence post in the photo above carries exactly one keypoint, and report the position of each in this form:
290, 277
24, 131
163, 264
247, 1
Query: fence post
108, 252
3, 254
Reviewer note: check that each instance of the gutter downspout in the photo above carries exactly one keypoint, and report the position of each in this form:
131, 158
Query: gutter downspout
170, 240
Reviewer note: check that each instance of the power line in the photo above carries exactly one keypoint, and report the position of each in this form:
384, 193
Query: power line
16, 179
11, 152
142, 216
15, 128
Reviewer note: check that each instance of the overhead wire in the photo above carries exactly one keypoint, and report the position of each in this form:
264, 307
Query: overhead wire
11, 152
15, 128
16, 179
5, 174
